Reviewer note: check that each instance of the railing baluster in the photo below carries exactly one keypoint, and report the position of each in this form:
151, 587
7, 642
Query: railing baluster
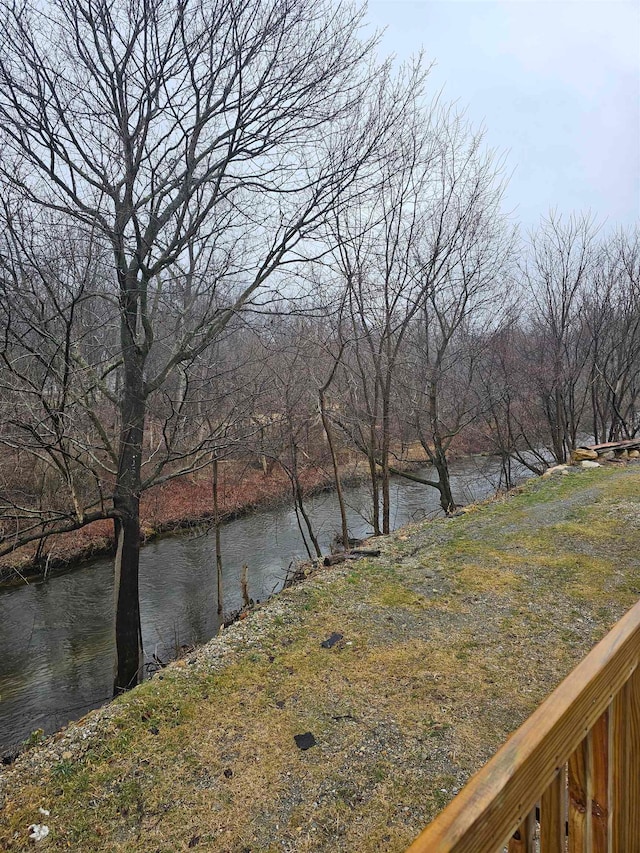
625, 719
632, 688
552, 816
618, 771
600, 805
580, 796
524, 839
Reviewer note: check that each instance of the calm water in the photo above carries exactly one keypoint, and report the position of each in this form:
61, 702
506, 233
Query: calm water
56, 637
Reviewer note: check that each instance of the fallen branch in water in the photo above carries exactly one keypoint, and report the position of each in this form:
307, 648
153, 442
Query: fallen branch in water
355, 554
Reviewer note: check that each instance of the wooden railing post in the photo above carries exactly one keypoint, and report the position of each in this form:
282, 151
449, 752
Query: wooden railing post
625, 767
618, 771
580, 797
552, 815
601, 797
632, 689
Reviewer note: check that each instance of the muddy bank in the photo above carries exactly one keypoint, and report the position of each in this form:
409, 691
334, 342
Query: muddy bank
173, 508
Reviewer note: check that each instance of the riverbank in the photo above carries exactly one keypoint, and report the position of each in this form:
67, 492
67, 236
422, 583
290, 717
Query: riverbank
266, 740
172, 508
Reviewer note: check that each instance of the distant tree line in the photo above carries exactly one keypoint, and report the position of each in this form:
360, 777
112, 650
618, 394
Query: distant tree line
227, 230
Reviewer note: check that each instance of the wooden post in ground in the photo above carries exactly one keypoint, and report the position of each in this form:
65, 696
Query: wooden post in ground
244, 585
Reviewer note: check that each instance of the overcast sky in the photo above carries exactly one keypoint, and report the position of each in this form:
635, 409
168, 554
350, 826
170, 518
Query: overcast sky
557, 85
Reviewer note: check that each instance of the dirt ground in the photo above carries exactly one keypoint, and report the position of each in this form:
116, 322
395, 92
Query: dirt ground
267, 740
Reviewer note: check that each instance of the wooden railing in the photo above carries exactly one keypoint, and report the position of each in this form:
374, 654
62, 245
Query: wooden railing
569, 778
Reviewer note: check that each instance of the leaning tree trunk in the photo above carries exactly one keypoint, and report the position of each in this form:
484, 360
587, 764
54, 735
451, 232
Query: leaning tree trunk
299, 503
444, 482
126, 500
298, 499
438, 455
336, 468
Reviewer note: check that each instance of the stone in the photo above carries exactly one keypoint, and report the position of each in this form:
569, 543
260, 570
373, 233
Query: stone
38, 831
556, 469
583, 453
634, 454
305, 741
330, 642
589, 463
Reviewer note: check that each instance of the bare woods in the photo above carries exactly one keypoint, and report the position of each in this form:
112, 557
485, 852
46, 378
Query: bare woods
229, 232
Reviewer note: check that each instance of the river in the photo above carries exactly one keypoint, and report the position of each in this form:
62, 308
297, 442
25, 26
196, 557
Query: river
56, 637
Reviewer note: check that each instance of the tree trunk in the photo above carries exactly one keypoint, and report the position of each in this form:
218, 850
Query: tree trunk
126, 500
386, 442
298, 497
594, 407
505, 474
438, 456
444, 483
216, 525
336, 471
375, 484
297, 487
558, 432
128, 631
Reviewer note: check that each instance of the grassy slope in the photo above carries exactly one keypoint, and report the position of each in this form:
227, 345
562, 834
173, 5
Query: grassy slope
451, 638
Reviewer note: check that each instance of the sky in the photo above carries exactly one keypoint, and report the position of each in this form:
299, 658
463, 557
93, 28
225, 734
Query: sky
556, 84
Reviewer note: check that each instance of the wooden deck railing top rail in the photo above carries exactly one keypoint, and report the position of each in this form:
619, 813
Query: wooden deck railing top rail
590, 723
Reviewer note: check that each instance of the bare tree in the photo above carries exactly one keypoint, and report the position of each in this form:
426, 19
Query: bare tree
201, 144
570, 343
421, 278
464, 255
376, 240
511, 418
291, 417
557, 271
57, 332
325, 415
610, 315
